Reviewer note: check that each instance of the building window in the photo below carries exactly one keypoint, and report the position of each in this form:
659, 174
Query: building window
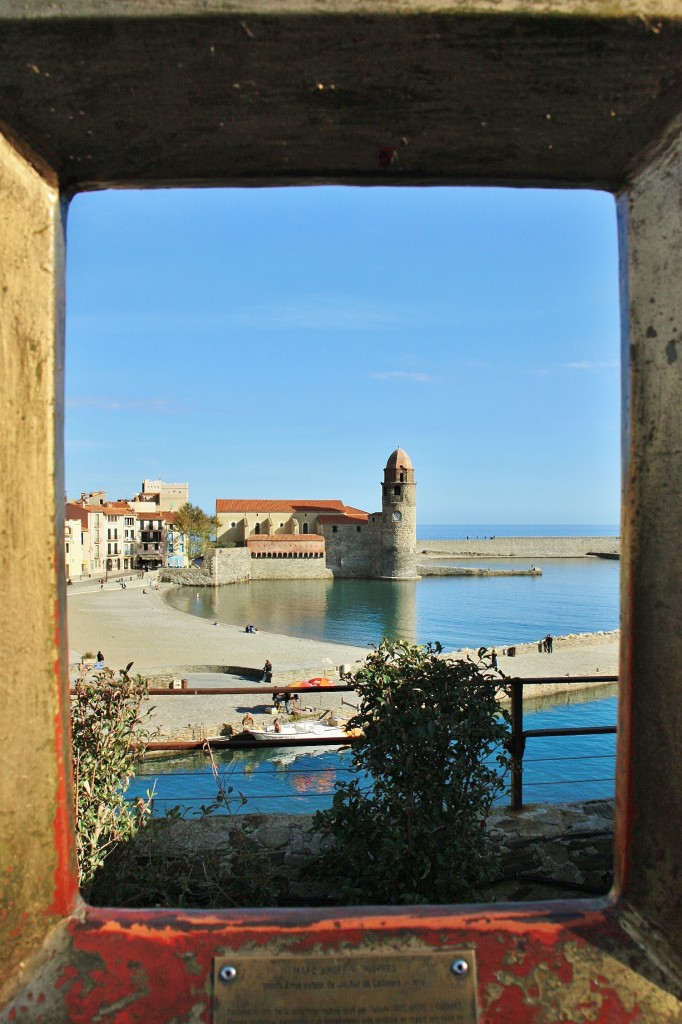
359, 529
335, 529
397, 489
305, 527
257, 528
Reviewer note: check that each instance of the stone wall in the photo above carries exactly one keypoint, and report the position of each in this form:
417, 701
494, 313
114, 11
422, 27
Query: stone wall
353, 552
532, 548
192, 576
548, 851
228, 565
289, 569
458, 570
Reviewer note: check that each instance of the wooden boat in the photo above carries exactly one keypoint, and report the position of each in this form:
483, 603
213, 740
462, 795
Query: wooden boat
289, 734
297, 732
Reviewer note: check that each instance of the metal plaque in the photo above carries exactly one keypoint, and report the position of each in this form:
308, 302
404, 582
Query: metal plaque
360, 988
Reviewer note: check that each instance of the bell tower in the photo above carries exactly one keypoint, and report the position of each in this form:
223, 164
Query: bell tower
399, 519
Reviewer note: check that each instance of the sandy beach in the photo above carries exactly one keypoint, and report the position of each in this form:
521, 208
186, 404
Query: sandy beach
136, 624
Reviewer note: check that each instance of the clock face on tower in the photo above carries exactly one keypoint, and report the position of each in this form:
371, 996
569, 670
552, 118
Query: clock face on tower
397, 516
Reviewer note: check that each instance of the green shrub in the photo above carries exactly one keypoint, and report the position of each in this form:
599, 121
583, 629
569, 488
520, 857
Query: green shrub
160, 869
108, 733
415, 830
150, 870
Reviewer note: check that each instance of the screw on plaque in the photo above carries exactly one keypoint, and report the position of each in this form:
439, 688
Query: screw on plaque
386, 156
227, 973
459, 968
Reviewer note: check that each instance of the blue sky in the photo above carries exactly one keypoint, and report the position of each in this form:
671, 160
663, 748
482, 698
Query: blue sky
282, 342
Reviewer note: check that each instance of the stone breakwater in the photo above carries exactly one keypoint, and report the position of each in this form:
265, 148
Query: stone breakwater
531, 548
458, 570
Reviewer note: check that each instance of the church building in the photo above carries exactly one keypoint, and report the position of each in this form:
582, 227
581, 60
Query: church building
325, 538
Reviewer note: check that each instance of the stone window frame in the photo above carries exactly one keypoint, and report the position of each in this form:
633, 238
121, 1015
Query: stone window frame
468, 92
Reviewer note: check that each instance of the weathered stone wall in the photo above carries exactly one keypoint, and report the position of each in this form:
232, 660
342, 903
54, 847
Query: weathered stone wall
548, 850
228, 565
532, 548
353, 552
458, 570
289, 569
192, 576
399, 524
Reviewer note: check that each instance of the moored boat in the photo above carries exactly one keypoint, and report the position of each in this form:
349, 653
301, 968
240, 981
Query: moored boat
297, 732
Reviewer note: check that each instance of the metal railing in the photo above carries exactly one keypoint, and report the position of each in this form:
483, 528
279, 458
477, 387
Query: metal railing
519, 735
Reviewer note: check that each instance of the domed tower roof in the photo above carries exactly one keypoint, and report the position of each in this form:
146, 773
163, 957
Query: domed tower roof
399, 458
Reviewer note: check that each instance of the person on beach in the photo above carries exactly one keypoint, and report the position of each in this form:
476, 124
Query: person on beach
493, 659
549, 643
267, 672
100, 660
281, 698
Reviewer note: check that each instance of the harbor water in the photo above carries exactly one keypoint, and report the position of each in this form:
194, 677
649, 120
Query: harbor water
571, 596
301, 780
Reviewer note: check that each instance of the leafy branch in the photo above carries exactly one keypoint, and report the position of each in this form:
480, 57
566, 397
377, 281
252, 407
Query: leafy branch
410, 826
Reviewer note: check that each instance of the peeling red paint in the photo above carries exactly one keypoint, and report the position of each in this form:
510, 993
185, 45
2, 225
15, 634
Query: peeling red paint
157, 965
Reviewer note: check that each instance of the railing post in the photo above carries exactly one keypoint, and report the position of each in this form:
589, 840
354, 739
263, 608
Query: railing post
517, 744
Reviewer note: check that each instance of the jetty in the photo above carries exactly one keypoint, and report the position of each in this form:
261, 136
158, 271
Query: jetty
530, 548
460, 570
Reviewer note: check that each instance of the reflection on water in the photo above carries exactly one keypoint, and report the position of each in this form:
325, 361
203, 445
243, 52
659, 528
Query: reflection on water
288, 781
572, 596
301, 780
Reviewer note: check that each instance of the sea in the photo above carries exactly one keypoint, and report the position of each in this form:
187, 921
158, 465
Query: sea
476, 531
571, 596
301, 780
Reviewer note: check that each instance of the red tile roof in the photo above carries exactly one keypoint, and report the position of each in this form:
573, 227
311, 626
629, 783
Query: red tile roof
276, 505
166, 517
116, 508
74, 511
